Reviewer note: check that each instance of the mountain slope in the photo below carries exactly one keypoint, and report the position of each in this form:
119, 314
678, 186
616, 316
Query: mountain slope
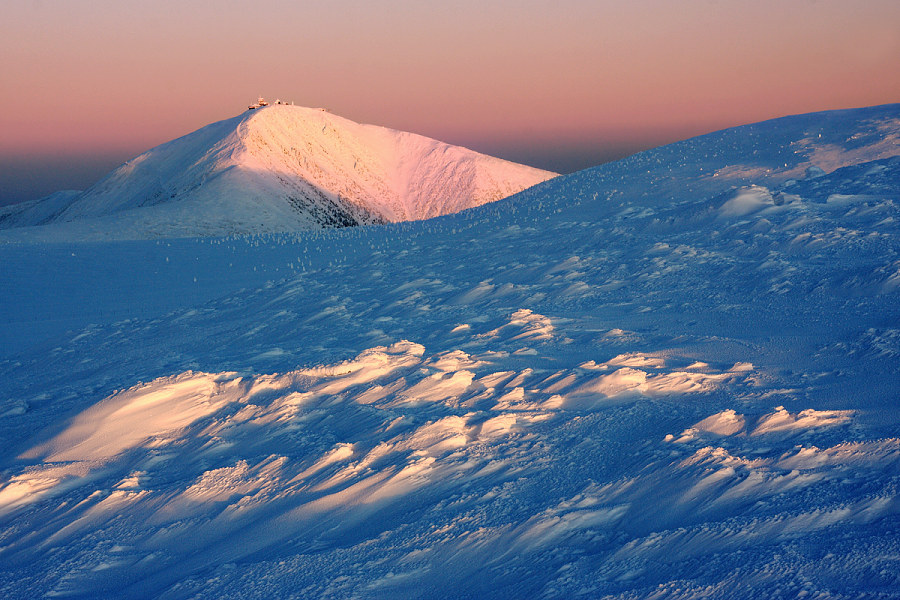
37, 212
283, 168
675, 376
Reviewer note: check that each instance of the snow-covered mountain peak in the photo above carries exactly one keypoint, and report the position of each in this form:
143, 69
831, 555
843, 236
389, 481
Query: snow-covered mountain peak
282, 168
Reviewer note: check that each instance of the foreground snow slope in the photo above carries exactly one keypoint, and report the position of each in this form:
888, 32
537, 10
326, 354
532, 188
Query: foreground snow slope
277, 168
673, 376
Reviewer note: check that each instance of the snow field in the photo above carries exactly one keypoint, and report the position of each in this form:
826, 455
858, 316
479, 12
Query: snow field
607, 386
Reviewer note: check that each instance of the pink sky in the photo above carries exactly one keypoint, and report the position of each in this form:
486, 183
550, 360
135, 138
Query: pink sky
549, 82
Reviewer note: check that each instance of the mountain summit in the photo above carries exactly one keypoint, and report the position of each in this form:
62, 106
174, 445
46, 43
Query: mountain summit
280, 168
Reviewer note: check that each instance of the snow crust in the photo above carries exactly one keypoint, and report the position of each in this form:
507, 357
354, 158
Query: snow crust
603, 387
277, 168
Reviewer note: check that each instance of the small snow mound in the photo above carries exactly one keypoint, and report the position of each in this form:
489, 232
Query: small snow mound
746, 201
876, 454
741, 367
627, 381
524, 325
727, 422
622, 381
124, 421
370, 365
440, 387
637, 359
783, 421
454, 360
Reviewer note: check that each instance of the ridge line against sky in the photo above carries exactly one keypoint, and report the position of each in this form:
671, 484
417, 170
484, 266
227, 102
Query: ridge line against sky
560, 87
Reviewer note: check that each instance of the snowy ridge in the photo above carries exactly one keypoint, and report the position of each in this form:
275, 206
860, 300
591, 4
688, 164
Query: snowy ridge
645, 380
281, 168
37, 212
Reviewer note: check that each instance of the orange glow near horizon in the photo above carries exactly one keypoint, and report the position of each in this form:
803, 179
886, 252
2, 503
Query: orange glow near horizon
104, 77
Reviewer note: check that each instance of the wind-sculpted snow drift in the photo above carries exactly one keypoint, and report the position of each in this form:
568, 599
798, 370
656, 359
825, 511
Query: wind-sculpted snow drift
278, 168
675, 376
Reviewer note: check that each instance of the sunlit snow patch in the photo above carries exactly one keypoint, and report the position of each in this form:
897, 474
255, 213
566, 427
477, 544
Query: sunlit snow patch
783, 421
